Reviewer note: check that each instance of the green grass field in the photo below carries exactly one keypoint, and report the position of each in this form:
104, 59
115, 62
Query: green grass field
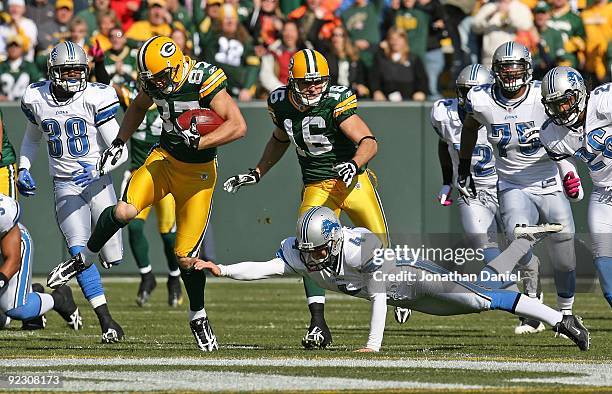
260, 324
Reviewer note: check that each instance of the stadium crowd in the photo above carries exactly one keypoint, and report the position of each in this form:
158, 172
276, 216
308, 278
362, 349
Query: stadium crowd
383, 49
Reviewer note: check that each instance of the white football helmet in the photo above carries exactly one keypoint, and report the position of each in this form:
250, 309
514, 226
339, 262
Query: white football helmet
472, 75
512, 66
564, 95
319, 229
64, 57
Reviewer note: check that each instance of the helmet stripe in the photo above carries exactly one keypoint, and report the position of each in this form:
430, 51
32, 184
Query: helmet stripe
70, 50
141, 54
310, 61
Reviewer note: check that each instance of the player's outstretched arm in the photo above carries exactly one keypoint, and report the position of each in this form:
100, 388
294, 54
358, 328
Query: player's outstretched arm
572, 185
248, 270
469, 135
232, 129
377, 322
446, 165
10, 245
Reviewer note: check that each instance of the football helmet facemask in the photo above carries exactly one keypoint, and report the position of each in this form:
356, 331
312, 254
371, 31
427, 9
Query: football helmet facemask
319, 238
160, 66
512, 66
308, 76
564, 95
68, 67
470, 76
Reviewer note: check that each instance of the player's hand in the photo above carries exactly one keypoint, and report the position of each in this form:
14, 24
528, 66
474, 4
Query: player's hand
25, 183
346, 171
4, 283
96, 52
530, 137
444, 195
571, 185
87, 175
190, 136
465, 182
207, 265
111, 157
232, 184
365, 350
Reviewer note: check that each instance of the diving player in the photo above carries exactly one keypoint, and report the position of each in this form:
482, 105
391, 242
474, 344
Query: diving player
77, 120
345, 260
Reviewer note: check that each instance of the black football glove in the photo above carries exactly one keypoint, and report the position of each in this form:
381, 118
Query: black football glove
465, 182
232, 184
346, 171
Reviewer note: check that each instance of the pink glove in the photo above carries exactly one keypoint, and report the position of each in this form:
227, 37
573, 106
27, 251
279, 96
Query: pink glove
571, 184
96, 52
444, 195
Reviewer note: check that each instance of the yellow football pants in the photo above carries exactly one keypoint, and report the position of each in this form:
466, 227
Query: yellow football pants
165, 214
8, 180
360, 202
191, 185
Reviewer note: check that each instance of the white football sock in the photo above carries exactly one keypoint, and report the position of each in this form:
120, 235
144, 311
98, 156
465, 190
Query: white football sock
565, 305
193, 315
532, 308
46, 302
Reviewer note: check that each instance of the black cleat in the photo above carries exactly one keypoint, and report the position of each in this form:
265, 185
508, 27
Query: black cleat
401, 314
37, 323
111, 332
4, 320
68, 309
62, 273
175, 293
147, 284
204, 335
571, 326
318, 336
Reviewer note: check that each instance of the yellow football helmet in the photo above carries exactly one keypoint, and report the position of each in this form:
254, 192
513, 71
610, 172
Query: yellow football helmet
160, 65
308, 70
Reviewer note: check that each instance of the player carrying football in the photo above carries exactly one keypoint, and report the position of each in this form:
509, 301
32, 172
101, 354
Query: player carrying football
184, 165
77, 120
333, 147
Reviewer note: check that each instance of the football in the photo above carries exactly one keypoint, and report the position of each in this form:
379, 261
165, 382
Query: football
206, 120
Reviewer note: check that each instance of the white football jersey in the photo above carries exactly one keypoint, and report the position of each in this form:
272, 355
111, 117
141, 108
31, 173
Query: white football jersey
355, 263
70, 128
506, 122
9, 214
592, 144
447, 122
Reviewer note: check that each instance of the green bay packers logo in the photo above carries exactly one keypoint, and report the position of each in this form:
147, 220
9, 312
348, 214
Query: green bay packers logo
167, 49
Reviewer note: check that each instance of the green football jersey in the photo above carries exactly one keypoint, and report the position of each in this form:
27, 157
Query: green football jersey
8, 152
203, 82
14, 79
315, 132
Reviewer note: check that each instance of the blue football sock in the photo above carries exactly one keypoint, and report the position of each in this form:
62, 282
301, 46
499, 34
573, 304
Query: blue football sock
490, 254
604, 269
27, 311
89, 280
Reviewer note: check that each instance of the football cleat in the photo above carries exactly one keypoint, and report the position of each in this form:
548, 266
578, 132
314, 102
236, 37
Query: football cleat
37, 323
318, 336
68, 309
63, 272
529, 326
175, 293
535, 233
571, 326
147, 284
203, 334
111, 332
402, 314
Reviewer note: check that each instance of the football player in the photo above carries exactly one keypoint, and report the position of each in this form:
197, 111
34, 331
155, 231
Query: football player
345, 260
529, 186
480, 215
580, 125
17, 300
333, 147
140, 144
183, 164
77, 120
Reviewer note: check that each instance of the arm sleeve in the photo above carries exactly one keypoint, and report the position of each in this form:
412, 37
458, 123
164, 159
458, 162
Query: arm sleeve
565, 166
29, 145
377, 320
105, 105
101, 73
253, 270
108, 131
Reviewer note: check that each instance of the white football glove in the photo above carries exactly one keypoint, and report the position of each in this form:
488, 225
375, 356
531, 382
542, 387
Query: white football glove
190, 136
232, 184
465, 182
346, 171
444, 195
112, 157
530, 137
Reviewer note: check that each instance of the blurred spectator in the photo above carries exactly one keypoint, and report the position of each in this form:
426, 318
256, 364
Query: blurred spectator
155, 25
548, 51
397, 73
597, 19
345, 67
288, 6
180, 14
265, 23
16, 73
458, 24
434, 58
78, 33
120, 60
498, 23
275, 64
315, 21
22, 26
182, 40
231, 48
362, 21
213, 11
106, 21
40, 11
90, 15
570, 25
54, 31
244, 8
126, 11
415, 22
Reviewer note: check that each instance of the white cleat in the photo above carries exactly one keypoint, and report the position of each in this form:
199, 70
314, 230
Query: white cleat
535, 233
529, 326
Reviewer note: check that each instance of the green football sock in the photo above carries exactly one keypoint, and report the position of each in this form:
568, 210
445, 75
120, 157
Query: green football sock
312, 289
106, 227
169, 239
194, 281
138, 243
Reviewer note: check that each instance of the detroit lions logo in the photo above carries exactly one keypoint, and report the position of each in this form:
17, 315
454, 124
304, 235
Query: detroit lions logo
574, 79
53, 55
167, 49
328, 227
